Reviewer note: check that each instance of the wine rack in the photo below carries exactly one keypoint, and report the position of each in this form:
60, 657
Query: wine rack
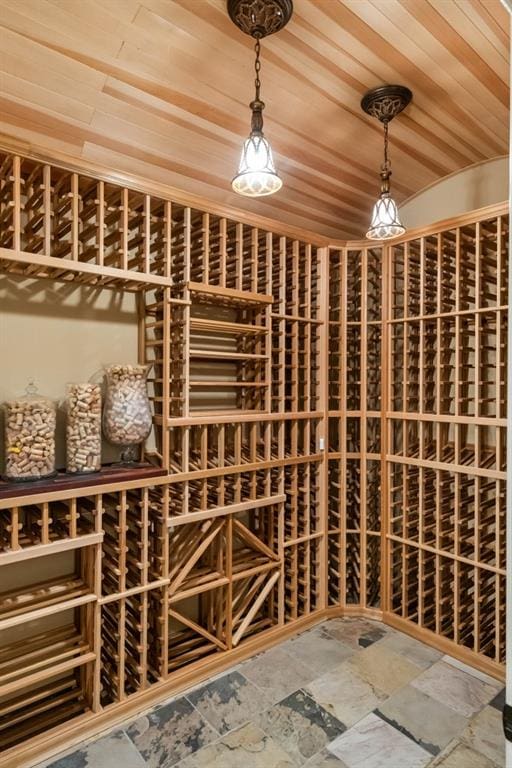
447, 329
417, 434
354, 448
219, 553
329, 439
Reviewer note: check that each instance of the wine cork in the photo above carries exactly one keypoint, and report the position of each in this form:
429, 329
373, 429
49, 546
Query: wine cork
29, 439
127, 415
83, 428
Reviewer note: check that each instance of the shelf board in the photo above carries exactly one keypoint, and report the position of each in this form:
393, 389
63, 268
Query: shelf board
64, 482
37, 265
200, 580
42, 657
220, 384
225, 416
222, 326
230, 509
50, 704
225, 355
52, 548
221, 295
43, 599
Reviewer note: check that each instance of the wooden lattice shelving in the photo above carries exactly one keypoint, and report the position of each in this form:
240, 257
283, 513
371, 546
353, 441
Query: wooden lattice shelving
417, 434
446, 457
329, 439
221, 544
45, 675
355, 357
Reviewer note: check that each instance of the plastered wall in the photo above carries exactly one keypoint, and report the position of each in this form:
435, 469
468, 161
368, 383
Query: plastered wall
56, 334
475, 187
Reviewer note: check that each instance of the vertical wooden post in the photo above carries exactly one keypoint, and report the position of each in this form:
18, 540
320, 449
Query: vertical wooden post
386, 329
16, 172
323, 428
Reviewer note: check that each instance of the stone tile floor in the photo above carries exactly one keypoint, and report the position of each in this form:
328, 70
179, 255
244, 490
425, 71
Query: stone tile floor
349, 693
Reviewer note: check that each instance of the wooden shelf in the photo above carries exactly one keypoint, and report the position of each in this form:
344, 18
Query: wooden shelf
223, 327
230, 509
225, 355
44, 656
222, 295
30, 550
222, 416
202, 580
65, 482
47, 706
226, 384
35, 265
43, 599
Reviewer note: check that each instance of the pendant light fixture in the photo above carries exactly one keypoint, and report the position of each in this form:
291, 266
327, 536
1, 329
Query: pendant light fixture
257, 175
385, 103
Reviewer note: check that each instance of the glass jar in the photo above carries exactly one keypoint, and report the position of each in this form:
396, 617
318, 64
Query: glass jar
83, 428
30, 437
127, 417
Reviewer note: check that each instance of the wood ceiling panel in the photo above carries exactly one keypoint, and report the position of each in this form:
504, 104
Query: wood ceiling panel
434, 44
474, 30
161, 87
40, 20
365, 42
321, 184
50, 64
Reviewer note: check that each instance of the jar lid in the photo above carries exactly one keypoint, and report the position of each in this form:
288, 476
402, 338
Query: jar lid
32, 395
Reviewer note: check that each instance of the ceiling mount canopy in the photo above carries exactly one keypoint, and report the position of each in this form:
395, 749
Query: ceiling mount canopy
260, 18
384, 103
257, 175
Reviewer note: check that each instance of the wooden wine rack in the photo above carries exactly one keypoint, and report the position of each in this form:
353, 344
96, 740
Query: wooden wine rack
417, 433
220, 554
262, 345
355, 413
446, 462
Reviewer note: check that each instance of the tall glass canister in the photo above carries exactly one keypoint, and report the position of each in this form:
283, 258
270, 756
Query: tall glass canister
30, 436
127, 418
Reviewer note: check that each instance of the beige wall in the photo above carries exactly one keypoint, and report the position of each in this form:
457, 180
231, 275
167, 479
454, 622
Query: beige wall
469, 189
56, 334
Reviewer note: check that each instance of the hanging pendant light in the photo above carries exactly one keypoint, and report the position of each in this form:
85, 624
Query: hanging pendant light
257, 175
385, 103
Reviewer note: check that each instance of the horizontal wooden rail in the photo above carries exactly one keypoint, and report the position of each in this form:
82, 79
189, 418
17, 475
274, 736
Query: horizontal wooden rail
230, 509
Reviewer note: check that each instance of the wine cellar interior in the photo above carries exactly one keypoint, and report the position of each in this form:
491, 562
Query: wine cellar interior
329, 439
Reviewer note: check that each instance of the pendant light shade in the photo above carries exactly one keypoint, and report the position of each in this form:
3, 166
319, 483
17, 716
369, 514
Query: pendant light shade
257, 175
384, 103
385, 219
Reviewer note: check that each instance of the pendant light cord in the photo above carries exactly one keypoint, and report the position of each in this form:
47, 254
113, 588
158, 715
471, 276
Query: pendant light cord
386, 165
257, 105
385, 169
257, 67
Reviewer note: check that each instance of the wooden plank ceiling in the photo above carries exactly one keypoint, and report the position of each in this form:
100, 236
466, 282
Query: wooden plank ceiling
161, 88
